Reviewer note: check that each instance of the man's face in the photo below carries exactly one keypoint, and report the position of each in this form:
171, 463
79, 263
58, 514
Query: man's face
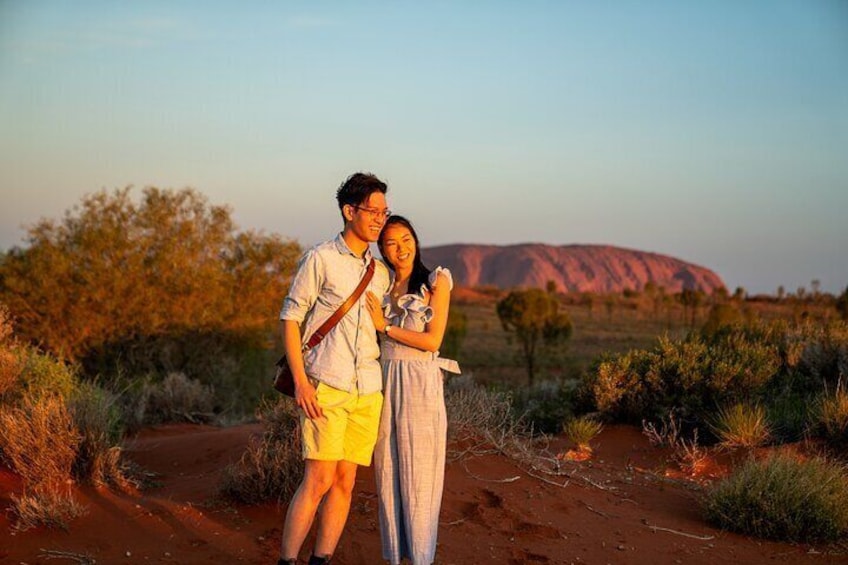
367, 219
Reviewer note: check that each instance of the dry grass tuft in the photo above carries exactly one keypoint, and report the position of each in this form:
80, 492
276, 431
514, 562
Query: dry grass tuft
97, 416
271, 467
39, 440
833, 415
742, 425
45, 506
581, 431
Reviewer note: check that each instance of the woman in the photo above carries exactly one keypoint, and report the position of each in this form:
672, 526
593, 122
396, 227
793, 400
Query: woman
409, 458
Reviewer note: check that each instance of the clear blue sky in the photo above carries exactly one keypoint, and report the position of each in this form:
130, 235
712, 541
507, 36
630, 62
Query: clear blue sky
715, 132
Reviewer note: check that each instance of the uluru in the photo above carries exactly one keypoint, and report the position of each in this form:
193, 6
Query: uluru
573, 268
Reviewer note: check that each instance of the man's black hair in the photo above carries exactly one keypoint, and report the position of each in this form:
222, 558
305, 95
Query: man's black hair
357, 188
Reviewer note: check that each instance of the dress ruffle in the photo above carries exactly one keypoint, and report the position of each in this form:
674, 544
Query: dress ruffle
413, 303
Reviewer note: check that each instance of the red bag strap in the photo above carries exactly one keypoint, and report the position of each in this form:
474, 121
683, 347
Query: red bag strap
325, 328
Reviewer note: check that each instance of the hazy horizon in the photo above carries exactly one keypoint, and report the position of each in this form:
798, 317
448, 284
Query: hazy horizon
715, 133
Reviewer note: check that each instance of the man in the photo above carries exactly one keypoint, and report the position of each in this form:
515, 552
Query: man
338, 382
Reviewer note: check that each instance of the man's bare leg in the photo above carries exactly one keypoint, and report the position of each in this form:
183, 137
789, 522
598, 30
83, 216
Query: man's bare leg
318, 478
335, 509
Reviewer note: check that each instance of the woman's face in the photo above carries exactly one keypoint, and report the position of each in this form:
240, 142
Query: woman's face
399, 246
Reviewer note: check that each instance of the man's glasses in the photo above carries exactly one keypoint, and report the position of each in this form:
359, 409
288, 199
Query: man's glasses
374, 212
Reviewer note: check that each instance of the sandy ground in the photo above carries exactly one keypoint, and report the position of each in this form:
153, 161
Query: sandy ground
638, 511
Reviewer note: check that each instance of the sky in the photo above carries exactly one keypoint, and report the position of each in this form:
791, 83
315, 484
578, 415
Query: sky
714, 132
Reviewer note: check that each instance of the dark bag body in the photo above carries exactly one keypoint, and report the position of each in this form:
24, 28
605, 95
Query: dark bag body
283, 378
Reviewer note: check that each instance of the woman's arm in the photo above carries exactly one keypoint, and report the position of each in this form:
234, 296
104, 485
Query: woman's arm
431, 338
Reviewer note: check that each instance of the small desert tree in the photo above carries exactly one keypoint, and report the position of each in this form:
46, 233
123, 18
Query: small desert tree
534, 316
128, 280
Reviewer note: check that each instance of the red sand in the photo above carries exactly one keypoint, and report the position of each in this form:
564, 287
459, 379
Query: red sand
488, 515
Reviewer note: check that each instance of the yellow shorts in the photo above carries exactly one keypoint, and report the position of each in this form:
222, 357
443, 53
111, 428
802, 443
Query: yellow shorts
348, 429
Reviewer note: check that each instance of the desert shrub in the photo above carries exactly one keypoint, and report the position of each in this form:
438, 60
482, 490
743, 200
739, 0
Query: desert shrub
782, 498
474, 411
271, 467
742, 425
824, 358
544, 406
789, 414
617, 385
40, 375
174, 284
690, 376
832, 412
97, 417
177, 399
581, 431
39, 440
10, 366
721, 316
481, 420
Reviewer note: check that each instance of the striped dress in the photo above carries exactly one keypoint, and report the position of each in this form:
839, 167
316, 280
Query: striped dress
409, 458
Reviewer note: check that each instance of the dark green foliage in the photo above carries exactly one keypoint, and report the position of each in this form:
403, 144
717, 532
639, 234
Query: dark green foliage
454, 333
782, 368
689, 377
533, 315
544, 406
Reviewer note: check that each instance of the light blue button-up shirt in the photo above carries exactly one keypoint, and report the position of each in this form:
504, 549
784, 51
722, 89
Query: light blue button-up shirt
326, 276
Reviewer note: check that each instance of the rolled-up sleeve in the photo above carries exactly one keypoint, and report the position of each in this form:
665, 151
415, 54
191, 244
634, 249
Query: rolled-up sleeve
304, 288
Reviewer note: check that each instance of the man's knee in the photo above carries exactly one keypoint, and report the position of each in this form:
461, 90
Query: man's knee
345, 477
318, 478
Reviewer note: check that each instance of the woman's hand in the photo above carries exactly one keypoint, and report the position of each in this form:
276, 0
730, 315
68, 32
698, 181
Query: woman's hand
375, 308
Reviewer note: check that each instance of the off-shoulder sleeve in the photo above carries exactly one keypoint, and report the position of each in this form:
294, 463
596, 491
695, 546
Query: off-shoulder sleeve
434, 277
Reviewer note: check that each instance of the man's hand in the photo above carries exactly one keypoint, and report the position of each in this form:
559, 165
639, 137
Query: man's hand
304, 395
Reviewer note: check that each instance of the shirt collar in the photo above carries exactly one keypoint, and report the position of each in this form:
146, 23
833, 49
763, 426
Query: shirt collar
342, 247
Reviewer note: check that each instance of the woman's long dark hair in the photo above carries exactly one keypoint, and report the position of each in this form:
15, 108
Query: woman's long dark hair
420, 274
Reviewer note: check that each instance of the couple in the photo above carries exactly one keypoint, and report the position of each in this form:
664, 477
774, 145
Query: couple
352, 408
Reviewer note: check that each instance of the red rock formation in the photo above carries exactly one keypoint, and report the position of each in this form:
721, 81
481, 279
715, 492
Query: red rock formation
574, 268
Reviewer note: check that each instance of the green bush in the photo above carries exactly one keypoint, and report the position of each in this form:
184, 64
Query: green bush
40, 375
690, 376
544, 406
782, 498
